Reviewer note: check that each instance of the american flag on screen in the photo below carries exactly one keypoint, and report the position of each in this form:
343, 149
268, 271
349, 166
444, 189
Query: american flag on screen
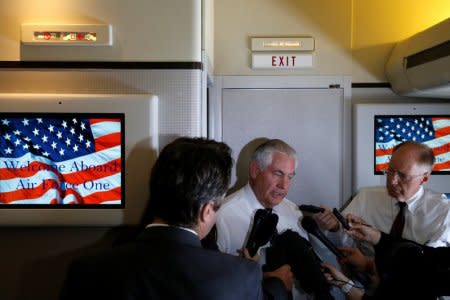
432, 131
61, 159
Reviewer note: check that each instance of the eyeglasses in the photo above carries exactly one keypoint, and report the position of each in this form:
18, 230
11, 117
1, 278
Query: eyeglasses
402, 177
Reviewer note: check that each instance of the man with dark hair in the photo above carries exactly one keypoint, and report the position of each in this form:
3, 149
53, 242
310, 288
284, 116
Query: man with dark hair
187, 184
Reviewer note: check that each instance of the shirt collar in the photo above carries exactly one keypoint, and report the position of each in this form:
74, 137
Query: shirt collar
414, 202
251, 197
167, 225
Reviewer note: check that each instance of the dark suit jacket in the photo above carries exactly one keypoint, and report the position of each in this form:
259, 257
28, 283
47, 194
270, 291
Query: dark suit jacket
163, 263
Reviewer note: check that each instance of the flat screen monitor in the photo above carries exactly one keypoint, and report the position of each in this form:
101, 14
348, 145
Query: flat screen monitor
378, 127
59, 159
431, 130
75, 159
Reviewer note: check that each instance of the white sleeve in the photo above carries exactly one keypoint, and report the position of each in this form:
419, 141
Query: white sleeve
442, 237
223, 236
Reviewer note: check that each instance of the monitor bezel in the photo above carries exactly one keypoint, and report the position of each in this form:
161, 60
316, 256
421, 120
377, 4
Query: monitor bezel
141, 150
363, 140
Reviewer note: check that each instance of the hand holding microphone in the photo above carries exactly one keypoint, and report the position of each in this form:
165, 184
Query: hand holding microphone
322, 215
354, 258
362, 231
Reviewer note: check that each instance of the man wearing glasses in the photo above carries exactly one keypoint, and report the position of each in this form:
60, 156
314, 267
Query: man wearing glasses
404, 208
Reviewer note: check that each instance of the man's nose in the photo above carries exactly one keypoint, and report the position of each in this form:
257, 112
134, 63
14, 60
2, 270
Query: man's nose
284, 182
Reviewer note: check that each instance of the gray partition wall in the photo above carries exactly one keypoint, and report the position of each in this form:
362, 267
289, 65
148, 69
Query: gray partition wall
310, 118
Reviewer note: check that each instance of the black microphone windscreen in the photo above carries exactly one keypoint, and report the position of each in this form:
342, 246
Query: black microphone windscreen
291, 248
270, 224
267, 229
263, 228
309, 224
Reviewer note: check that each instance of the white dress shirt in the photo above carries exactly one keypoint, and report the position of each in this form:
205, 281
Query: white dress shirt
427, 215
233, 227
236, 214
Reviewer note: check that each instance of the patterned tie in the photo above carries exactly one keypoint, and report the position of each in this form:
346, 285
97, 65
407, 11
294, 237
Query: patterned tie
399, 222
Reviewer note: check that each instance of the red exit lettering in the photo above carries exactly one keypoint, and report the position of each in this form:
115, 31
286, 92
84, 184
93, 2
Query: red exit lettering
283, 61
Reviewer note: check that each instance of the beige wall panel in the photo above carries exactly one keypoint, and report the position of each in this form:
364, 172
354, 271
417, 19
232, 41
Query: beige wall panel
208, 31
143, 30
328, 21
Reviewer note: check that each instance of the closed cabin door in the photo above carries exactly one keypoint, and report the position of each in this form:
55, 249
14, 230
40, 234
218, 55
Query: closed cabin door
310, 120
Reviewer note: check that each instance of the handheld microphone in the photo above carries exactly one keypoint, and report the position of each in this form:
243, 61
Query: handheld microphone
290, 248
311, 227
263, 229
311, 208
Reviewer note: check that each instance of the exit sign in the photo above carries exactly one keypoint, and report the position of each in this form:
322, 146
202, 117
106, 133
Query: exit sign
281, 60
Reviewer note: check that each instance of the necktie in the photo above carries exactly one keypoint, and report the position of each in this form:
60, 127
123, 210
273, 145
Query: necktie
399, 222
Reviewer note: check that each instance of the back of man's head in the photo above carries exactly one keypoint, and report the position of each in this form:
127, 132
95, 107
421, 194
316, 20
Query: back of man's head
188, 173
263, 153
422, 154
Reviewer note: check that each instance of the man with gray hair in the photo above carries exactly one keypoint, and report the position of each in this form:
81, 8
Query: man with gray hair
271, 171
403, 208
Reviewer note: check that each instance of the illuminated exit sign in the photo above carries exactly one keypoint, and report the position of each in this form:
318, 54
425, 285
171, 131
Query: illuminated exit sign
281, 60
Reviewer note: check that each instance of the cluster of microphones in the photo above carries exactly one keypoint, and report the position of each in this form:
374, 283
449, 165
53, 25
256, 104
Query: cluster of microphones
265, 223
290, 248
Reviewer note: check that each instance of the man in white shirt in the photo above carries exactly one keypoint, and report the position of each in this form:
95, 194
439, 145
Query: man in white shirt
426, 213
271, 170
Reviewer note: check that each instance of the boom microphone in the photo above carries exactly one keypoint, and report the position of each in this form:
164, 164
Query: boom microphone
311, 227
311, 208
263, 229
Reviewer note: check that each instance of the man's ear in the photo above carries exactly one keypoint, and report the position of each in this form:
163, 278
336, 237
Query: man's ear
206, 212
425, 178
206, 219
254, 169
